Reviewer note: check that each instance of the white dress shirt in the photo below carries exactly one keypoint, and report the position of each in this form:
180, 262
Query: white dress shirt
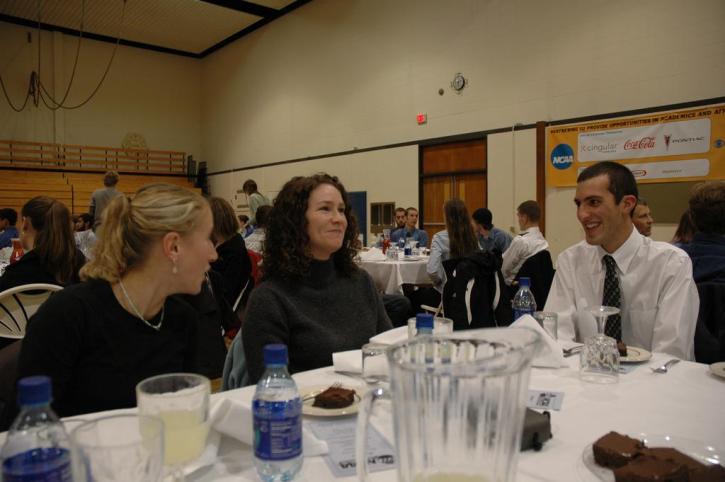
659, 303
522, 247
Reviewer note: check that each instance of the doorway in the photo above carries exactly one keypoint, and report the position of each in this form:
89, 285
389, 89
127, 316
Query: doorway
449, 171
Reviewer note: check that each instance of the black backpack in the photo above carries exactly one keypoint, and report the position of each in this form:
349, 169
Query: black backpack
475, 295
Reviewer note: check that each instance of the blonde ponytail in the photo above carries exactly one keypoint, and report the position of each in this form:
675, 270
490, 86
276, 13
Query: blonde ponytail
129, 227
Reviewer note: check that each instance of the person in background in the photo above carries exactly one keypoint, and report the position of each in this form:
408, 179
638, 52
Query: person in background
84, 236
313, 297
410, 230
101, 197
650, 281
256, 199
255, 241
642, 218
456, 241
707, 247
489, 236
685, 230
528, 243
8, 231
399, 218
50, 252
96, 340
232, 259
245, 229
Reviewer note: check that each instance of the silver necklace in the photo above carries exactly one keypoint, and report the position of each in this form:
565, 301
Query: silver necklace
138, 313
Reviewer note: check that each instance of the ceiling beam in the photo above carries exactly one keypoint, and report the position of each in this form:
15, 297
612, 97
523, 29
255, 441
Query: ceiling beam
245, 7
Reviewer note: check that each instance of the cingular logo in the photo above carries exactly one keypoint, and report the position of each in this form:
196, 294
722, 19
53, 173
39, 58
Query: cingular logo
562, 156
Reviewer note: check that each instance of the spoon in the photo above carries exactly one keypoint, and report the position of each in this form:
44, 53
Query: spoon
665, 367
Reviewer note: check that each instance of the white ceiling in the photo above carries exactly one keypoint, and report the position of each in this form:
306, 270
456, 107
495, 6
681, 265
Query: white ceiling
191, 26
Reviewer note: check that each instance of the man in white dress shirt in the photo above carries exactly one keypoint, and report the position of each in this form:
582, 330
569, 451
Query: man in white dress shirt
526, 244
658, 297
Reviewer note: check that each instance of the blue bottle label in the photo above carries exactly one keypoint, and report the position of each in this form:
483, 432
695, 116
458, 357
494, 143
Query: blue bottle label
519, 313
277, 429
39, 465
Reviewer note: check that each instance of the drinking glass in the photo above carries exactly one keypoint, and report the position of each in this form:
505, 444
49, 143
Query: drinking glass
181, 401
549, 321
458, 405
119, 448
374, 363
599, 356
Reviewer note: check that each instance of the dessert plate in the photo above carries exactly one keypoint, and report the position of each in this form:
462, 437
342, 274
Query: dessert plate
700, 451
718, 369
635, 355
308, 398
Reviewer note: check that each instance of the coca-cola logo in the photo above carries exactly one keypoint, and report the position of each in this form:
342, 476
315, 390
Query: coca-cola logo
643, 143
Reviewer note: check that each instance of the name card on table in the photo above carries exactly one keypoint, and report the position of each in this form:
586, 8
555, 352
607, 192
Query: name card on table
340, 438
545, 400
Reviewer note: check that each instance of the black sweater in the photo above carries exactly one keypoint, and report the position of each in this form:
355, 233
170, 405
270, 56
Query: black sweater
323, 314
95, 352
234, 266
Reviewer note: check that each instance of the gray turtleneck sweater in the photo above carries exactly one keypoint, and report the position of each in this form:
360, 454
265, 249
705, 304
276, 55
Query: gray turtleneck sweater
322, 314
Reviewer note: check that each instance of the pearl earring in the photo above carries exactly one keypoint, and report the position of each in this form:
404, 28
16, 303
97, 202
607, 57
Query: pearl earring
174, 269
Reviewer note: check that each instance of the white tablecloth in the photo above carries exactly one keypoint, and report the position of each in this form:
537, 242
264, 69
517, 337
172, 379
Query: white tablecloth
389, 276
687, 402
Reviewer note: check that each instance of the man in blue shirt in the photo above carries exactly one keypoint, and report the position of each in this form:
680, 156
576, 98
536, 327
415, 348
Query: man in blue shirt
8, 231
410, 231
489, 237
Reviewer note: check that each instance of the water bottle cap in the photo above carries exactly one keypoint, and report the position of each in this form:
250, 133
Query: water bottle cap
275, 354
34, 390
424, 320
524, 281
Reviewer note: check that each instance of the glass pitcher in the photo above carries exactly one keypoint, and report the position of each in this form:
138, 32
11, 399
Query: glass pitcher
458, 405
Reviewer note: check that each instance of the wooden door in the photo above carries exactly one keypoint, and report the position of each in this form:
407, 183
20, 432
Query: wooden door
454, 170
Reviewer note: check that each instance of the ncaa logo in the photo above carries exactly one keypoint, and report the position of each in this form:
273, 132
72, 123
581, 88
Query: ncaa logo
562, 156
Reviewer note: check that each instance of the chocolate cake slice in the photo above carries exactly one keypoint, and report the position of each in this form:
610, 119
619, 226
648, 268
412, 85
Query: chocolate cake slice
622, 348
614, 449
646, 468
673, 455
708, 473
334, 397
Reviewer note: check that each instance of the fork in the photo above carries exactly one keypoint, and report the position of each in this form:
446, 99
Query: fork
665, 367
572, 351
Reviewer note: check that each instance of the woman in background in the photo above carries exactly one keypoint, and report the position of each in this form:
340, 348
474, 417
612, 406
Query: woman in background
685, 230
456, 241
232, 260
98, 339
46, 232
256, 199
313, 297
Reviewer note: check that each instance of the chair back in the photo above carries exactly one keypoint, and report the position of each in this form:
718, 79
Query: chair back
473, 296
18, 304
710, 330
540, 270
256, 259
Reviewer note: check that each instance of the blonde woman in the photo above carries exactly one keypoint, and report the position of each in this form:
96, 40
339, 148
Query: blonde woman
98, 339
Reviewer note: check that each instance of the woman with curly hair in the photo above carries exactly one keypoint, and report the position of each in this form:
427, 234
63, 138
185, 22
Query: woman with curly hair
313, 297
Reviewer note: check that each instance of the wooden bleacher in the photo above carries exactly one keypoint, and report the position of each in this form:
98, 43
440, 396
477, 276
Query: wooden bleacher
71, 173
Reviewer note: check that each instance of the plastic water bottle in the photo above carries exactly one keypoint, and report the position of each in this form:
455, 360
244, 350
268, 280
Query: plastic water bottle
37, 446
277, 413
524, 302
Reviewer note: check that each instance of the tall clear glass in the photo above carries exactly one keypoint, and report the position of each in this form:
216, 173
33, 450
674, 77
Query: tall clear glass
119, 448
181, 400
600, 356
458, 404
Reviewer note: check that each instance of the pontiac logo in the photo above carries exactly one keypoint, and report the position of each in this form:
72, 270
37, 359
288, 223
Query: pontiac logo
667, 141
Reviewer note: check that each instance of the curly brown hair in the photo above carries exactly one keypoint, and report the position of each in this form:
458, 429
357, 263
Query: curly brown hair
460, 231
287, 254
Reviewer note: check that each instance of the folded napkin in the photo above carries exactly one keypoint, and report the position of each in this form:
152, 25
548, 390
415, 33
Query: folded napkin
550, 354
347, 361
375, 254
391, 336
234, 419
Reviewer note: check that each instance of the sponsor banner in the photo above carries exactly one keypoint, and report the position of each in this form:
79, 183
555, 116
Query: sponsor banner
664, 147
